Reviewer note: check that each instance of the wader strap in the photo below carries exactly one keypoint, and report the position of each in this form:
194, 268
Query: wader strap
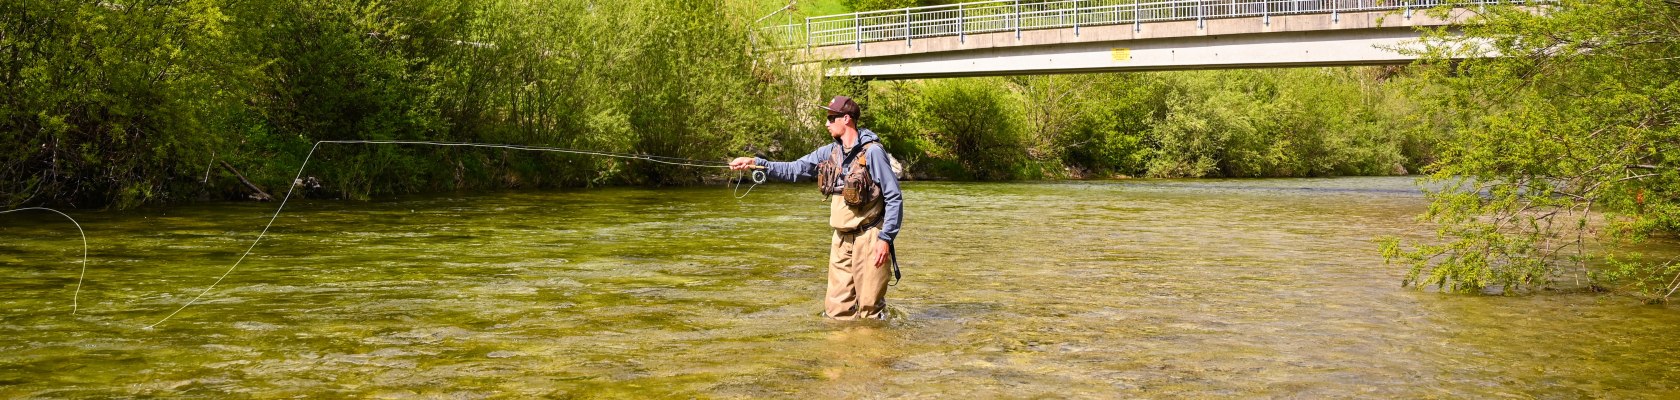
892, 250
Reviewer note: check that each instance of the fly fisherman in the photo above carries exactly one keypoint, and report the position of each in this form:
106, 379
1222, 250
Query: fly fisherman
865, 209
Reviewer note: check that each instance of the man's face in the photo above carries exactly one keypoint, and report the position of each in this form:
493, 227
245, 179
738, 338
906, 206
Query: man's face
837, 125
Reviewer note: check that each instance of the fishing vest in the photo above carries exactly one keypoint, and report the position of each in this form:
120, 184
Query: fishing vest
859, 204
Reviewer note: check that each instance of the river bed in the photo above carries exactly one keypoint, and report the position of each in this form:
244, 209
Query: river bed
1137, 288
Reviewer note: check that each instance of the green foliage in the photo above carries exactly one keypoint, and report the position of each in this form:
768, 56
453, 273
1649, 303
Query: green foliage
119, 104
1250, 123
975, 124
109, 102
1086, 124
121, 108
800, 10
1210, 124
872, 5
1109, 131
1650, 278
1301, 122
1562, 150
964, 128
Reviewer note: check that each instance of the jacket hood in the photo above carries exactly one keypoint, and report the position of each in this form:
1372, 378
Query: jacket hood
864, 136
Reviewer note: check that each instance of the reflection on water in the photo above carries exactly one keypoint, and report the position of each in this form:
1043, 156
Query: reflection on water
1074, 289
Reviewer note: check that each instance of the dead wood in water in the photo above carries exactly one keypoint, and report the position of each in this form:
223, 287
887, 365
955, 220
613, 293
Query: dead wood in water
260, 195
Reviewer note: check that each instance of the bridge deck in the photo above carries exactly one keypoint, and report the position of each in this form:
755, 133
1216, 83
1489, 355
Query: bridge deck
1018, 16
1027, 37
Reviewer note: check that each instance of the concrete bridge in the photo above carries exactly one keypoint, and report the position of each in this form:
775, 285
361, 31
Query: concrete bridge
1016, 37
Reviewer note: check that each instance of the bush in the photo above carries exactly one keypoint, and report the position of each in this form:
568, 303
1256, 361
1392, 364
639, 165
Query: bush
126, 104
967, 128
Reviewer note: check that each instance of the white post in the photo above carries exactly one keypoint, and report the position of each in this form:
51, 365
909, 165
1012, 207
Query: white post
1075, 18
1201, 14
906, 27
1137, 19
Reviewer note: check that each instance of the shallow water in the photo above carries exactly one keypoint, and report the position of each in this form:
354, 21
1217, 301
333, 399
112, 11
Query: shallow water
1245, 288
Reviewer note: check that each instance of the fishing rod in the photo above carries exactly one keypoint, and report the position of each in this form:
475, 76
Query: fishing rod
758, 177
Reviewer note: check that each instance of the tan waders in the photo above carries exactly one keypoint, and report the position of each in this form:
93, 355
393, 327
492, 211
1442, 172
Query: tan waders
856, 287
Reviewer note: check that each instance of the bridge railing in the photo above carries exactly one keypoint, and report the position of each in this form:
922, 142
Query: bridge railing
908, 24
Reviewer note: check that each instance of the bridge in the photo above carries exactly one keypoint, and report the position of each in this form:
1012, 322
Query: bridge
1016, 37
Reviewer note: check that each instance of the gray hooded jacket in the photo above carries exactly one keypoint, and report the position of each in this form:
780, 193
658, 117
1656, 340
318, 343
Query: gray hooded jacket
805, 168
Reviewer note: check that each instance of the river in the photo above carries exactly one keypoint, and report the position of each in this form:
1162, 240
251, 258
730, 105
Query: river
1139, 288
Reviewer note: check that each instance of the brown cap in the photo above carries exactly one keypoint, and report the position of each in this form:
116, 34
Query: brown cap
843, 105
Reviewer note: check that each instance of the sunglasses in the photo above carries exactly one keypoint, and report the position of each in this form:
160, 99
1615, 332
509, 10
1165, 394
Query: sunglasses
833, 117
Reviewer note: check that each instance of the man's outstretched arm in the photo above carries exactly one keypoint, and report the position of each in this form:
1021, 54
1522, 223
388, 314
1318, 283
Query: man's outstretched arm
805, 168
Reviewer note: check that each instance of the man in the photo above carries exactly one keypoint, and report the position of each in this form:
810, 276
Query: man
865, 210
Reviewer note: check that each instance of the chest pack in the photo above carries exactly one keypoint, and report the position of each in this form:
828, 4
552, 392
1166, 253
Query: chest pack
857, 187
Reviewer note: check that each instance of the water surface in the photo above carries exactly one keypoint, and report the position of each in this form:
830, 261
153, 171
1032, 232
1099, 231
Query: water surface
1246, 288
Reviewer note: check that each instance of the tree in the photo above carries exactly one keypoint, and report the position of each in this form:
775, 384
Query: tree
873, 5
122, 103
109, 102
1564, 149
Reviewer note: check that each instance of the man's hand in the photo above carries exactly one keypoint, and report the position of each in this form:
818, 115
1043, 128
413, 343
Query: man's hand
740, 163
883, 249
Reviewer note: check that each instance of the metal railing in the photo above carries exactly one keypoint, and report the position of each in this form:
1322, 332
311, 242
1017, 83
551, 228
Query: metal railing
959, 20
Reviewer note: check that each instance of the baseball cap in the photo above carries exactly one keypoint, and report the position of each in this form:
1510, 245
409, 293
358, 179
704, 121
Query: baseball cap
843, 105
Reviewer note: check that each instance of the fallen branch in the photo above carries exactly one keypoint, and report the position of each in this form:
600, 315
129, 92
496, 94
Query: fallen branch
260, 196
